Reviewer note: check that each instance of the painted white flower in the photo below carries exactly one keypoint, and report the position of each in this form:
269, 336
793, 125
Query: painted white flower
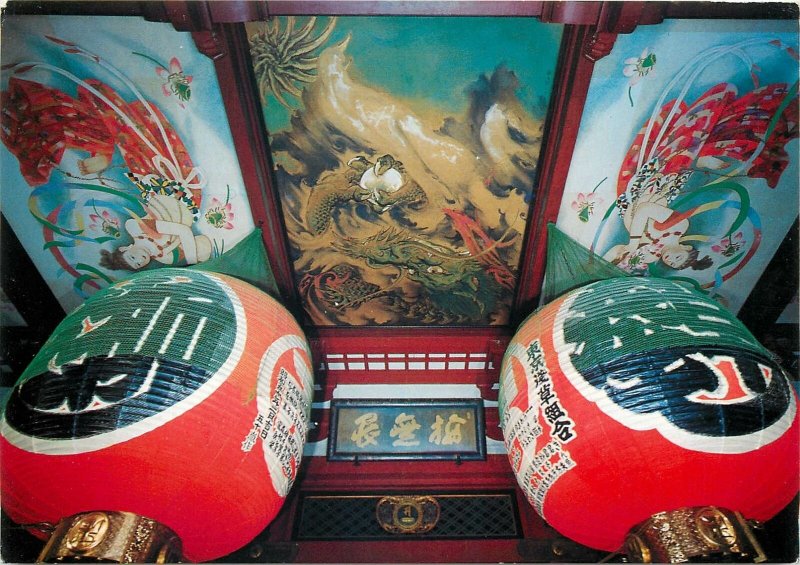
637, 68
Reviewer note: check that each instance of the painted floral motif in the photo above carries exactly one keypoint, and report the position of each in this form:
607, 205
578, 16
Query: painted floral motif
116, 139
639, 67
175, 80
730, 245
284, 59
219, 214
634, 263
105, 223
636, 68
584, 205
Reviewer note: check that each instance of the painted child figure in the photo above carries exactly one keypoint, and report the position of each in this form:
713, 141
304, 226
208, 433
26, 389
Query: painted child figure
656, 232
164, 234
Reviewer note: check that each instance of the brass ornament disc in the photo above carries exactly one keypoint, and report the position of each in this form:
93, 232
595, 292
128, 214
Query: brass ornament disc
407, 514
115, 537
715, 527
87, 532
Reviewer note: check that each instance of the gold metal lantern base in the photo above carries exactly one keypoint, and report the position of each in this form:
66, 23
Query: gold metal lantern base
698, 533
111, 537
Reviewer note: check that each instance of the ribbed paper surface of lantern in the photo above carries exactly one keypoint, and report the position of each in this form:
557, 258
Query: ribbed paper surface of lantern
633, 396
178, 395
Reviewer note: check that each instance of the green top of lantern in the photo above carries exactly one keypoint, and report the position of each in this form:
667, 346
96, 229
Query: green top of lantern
174, 314
617, 317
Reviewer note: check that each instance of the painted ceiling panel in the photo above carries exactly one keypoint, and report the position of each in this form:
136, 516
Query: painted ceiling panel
116, 150
405, 153
686, 164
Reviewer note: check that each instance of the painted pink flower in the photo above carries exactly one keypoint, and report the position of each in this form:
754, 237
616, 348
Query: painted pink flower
220, 215
729, 245
105, 222
584, 205
176, 82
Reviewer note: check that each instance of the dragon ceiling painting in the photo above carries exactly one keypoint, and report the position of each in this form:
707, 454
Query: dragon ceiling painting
405, 153
697, 179
116, 154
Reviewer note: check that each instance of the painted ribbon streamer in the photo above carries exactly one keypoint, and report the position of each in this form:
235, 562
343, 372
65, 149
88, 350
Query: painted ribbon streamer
195, 180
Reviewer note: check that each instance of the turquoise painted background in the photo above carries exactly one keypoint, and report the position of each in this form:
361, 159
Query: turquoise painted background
433, 60
65, 221
733, 208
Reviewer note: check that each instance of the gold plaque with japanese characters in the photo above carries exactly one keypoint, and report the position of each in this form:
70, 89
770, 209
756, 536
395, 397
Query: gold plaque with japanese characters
407, 429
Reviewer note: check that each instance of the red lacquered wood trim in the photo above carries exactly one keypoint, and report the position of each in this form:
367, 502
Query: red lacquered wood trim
405, 337
566, 12
188, 16
340, 340
566, 108
491, 418
481, 345
237, 11
317, 474
240, 97
574, 13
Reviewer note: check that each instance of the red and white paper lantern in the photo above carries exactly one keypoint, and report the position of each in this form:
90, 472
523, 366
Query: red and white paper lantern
178, 395
633, 396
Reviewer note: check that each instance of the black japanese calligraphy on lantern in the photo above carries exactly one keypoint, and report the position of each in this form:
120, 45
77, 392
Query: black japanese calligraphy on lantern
536, 431
561, 425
